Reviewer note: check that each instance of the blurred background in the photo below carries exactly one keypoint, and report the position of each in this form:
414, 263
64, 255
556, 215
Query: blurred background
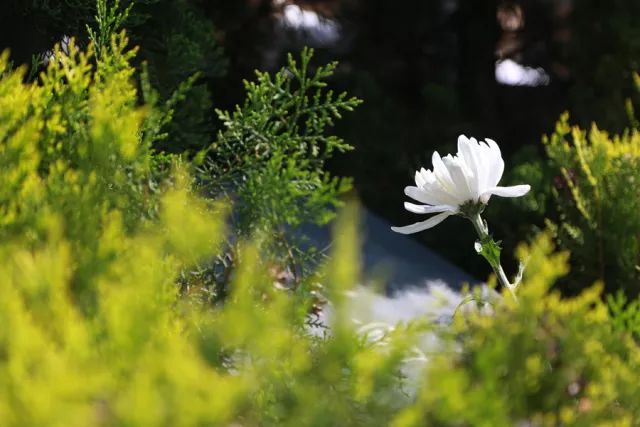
427, 70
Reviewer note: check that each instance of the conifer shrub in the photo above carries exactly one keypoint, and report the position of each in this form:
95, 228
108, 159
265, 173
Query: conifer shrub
98, 231
95, 328
546, 361
598, 197
176, 43
270, 159
586, 191
75, 149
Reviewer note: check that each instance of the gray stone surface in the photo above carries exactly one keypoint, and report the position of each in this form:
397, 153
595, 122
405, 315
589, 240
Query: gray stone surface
396, 260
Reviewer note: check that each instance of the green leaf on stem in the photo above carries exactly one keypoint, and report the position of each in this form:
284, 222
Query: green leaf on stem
490, 250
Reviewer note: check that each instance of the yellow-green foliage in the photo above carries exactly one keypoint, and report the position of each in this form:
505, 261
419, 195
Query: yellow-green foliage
73, 151
547, 361
598, 194
93, 328
95, 331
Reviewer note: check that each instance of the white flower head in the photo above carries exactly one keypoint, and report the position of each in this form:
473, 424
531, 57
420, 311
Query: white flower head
469, 178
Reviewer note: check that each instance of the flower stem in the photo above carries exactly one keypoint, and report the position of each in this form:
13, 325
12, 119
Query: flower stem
483, 232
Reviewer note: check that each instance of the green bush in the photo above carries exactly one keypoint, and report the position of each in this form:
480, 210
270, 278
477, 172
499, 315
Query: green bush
74, 150
176, 43
95, 240
98, 233
547, 361
83, 216
586, 191
597, 195
270, 158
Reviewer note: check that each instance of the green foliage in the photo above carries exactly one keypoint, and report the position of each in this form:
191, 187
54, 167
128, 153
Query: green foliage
625, 313
273, 149
544, 361
97, 232
76, 13
80, 216
585, 189
271, 159
109, 20
72, 149
177, 44
490, 250
596, 190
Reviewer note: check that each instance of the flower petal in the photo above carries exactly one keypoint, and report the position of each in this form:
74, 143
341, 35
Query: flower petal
416, 194
462, 181
427, 176
485, 161
431, 195
496, 164
514, 191
441, 172
423, 225
427, 209
468, 152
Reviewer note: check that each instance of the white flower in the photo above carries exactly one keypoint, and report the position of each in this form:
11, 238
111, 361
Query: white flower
469, 177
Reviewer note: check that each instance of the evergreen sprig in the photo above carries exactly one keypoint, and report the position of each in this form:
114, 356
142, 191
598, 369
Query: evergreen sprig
270, 158
272, 151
